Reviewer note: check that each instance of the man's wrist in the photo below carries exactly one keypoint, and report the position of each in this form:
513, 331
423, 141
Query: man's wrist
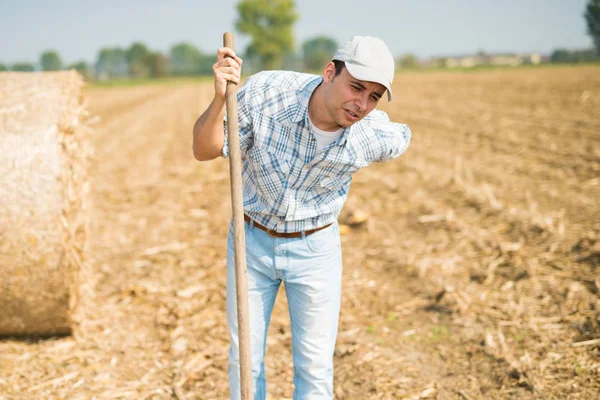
218, 102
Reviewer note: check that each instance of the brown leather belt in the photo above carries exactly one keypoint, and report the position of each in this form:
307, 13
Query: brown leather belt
276, 234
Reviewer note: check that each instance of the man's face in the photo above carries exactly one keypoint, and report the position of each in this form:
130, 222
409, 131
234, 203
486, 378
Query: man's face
349, 100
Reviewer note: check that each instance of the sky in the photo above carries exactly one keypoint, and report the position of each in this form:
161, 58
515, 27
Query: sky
77, 30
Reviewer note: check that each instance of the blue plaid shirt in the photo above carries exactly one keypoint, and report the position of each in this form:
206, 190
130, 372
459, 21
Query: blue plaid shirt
286, 186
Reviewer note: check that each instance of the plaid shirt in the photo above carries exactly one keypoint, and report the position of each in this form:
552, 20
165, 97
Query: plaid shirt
286, 186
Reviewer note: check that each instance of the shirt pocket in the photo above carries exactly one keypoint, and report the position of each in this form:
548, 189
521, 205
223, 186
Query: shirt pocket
333, 183
270, 171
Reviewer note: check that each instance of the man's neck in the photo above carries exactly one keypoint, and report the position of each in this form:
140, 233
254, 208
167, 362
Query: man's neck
317, 112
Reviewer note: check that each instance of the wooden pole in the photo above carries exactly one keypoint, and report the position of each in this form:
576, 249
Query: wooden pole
239, 239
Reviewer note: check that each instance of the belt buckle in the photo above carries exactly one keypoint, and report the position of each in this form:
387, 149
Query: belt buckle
272, 233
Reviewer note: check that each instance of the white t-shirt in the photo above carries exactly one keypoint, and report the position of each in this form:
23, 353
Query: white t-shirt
324, 138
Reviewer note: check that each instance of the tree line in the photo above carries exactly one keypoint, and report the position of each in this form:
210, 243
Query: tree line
270, 27
183, 59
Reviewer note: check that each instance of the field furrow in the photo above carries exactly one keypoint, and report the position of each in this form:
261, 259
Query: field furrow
474, 276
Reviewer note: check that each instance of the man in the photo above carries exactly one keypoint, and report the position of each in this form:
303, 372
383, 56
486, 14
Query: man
302, 137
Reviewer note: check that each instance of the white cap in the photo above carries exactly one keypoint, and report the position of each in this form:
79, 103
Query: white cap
368, 59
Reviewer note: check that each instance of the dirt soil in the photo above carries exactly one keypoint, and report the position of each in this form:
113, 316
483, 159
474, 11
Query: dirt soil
475, 275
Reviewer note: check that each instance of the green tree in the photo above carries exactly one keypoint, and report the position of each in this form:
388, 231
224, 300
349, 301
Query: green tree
185, 59
591, 55
407, 60
592, 17
23, 67
157, 64
50, 61
441, 62
270, 24
561, 56
318, 51
574, 56
137, 58
83, 68
111, 63
205, 63
3, 67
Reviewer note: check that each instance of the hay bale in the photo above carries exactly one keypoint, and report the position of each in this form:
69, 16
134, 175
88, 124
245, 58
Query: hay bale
44, 151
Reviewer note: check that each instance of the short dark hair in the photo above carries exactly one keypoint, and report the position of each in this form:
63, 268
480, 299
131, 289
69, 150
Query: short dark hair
339, 66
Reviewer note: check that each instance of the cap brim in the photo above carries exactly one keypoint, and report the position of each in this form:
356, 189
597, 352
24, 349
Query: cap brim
363, 73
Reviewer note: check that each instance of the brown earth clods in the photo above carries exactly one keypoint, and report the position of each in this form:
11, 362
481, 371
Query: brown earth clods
474, 276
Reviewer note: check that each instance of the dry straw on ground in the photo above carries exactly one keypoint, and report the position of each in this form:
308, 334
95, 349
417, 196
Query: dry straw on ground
470, 264
43, 200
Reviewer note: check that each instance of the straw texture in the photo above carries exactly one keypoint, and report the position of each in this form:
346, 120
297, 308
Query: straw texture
43, 199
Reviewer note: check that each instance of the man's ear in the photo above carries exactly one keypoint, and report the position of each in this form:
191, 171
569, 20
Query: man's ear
329, 72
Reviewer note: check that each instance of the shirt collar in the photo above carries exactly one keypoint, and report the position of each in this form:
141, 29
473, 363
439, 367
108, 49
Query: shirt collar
303, 96
301, 113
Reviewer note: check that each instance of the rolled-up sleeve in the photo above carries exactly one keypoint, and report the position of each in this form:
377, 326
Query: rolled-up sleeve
244, 109
394, 137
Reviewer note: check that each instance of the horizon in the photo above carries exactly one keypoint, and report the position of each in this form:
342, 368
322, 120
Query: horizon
457, 29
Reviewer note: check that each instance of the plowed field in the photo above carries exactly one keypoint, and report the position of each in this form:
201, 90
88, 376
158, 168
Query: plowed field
475, 276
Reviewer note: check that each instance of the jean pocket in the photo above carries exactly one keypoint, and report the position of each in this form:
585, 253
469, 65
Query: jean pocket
325, 240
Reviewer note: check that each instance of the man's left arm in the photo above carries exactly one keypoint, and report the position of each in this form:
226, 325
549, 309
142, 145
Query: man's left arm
394, 137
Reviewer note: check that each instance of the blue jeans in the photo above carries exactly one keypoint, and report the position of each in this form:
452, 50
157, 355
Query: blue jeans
311, 269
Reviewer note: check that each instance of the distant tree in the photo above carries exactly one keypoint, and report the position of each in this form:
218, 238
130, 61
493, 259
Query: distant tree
574, 56
441, 62
157, 64
561, 56
23, 67
270, 24
587, 55
50, 61
592, 17
407, 60
3, 67
82, 67
205, 63
318, 51
137, 58
185, 59
295, 62
111, 63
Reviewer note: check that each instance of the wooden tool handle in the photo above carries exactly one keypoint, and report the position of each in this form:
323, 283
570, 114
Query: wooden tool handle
239, 239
